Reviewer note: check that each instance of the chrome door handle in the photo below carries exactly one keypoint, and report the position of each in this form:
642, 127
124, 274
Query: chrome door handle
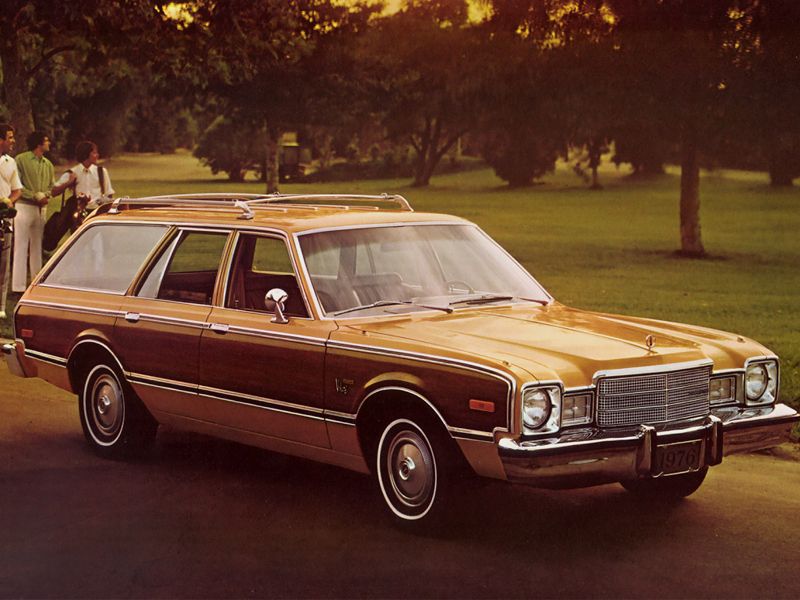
219, 327
132, 317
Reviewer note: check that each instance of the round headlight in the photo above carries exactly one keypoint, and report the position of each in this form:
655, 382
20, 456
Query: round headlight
536, 409
755, 381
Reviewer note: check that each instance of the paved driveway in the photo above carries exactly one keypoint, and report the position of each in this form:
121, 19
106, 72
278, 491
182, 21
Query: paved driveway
204, 518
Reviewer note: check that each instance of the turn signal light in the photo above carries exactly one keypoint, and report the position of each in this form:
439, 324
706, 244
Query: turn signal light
576, 410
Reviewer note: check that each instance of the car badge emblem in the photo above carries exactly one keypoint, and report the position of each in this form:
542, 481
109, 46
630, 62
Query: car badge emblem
650, 340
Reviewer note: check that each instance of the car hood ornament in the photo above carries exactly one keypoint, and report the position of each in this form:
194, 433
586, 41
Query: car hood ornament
650, 340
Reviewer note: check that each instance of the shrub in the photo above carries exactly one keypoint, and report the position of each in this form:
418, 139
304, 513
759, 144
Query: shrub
232, 146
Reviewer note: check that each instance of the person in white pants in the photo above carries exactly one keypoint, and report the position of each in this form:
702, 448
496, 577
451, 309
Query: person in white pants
10, 191
10, 186
37, 176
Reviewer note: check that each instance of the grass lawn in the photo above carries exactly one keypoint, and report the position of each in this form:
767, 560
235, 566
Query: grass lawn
609, 250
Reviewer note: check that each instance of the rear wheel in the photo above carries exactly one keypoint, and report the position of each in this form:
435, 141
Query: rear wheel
114, 421
673, 487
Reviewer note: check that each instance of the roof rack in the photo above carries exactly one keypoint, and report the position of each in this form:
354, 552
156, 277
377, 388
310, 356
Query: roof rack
246, 202
335, 200
238, 201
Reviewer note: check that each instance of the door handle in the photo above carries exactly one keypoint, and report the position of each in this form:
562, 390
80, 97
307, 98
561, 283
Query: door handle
219, 328
132, 317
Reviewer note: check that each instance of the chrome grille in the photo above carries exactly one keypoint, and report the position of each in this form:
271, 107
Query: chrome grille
653, 397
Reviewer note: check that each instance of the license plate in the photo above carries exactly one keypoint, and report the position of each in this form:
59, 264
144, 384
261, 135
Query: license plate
680, 457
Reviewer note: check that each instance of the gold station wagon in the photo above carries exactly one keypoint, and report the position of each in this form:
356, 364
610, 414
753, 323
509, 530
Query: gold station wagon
355, 331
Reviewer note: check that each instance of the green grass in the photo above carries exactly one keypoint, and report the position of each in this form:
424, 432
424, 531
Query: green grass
609, 250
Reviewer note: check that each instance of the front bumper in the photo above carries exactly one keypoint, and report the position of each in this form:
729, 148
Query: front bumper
591, 456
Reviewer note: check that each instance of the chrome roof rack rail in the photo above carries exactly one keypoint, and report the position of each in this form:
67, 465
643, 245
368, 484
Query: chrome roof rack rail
338, 200
247, 202
236, 201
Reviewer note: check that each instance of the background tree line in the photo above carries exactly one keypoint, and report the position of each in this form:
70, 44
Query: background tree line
699, 83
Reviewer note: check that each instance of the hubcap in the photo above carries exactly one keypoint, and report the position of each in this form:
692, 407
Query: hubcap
410, 466
107, 405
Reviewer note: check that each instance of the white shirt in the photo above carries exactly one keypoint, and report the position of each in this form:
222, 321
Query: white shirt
9, 176
87, 182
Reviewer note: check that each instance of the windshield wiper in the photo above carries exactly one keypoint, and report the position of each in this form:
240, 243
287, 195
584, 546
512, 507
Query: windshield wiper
487, 298
380, 303
482, 299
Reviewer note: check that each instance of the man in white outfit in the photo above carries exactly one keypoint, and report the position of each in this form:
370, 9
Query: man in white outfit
91, 180
36, 175
10, 185
10, 191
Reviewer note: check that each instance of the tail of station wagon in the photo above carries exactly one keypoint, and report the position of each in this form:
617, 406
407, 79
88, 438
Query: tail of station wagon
354, 331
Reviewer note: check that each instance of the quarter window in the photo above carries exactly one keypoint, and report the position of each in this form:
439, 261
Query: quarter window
105, 257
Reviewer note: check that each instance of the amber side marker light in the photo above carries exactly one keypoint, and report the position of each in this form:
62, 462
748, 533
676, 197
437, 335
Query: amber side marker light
481, 406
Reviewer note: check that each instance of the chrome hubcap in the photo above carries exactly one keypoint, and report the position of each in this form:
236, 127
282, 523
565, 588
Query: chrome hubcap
407, 466
410, 467
107, 405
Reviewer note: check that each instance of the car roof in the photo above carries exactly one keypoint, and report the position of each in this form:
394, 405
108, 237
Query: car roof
289, 213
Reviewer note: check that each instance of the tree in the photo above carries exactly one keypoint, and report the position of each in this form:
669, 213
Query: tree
259, 57
420, 72
549, 88
521, 127
675, 57
765, 87
35, 33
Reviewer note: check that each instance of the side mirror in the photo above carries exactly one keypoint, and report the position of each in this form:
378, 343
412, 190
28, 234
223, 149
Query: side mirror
274, 301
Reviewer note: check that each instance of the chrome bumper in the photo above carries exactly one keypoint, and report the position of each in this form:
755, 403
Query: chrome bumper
591, 456
13, 353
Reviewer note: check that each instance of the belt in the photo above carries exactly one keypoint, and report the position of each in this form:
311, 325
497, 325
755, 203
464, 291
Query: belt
29, 202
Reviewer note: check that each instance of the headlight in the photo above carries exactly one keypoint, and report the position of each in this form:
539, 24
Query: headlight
761, 382
541, 409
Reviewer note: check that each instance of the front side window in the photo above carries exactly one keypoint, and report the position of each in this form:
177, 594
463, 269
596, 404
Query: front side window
187, 270
106, 257
260, 264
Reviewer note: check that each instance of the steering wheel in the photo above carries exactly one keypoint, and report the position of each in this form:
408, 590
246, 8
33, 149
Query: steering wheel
457, 285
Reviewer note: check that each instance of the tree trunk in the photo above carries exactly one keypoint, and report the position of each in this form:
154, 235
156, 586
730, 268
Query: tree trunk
781, 173
691, 241
16, 94
595, 179
423, 171
273, 167
430, 153
595, 156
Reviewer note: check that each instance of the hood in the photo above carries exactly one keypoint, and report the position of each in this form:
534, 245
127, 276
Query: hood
557, 342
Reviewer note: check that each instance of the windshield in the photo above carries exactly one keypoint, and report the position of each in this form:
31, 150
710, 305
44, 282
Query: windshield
411, 267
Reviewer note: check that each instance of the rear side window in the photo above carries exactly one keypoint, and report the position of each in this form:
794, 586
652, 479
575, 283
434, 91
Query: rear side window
106, 257
187, 271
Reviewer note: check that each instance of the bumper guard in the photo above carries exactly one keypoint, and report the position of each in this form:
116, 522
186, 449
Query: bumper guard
591, 456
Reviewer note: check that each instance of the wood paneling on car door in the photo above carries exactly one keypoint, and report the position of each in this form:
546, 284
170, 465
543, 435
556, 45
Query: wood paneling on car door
264, 377
158, 342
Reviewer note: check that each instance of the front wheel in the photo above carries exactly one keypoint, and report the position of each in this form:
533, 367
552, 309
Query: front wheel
409, 470
671, 488
113, 419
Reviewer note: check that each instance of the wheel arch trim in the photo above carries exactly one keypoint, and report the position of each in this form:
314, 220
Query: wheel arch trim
404, 390
96, 342
453, 432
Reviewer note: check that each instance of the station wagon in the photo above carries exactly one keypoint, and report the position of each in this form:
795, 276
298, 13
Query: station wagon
355, 331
